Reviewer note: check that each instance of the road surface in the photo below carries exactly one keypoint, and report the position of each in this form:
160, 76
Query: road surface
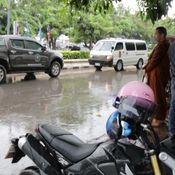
78, 101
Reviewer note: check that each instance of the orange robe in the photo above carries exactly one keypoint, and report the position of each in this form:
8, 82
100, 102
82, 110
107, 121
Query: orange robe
158, 74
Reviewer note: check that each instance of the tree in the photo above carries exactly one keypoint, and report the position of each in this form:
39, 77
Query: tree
3, 16
169, 23
84, 25
153, 10
91, 27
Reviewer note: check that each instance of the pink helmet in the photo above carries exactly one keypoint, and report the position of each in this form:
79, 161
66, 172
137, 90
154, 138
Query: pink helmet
136, 101
137, 89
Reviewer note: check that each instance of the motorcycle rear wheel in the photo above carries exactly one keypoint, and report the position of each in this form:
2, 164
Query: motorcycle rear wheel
30, 171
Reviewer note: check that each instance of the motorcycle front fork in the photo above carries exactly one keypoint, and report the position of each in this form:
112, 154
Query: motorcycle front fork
164, 158
155, 164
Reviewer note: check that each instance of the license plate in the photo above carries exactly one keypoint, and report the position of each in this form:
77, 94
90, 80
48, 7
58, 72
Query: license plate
11, 152
97, 64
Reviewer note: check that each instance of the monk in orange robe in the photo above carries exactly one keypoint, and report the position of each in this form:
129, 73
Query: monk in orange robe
157, 70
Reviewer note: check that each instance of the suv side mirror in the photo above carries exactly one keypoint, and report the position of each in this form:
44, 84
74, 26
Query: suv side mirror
44, 48
112, 48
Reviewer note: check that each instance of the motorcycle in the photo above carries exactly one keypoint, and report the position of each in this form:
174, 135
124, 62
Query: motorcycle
58, 152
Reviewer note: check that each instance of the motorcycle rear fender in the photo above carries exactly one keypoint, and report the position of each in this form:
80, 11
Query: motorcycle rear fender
15, 152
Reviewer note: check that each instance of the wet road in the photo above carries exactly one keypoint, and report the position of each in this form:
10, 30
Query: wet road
80, 103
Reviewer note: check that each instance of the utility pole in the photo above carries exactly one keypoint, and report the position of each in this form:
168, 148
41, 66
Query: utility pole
8, 17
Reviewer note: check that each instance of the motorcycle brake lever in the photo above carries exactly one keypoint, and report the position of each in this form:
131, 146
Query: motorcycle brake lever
145, 127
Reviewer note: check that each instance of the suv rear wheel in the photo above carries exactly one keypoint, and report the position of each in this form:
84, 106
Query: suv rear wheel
55, 69
3, 73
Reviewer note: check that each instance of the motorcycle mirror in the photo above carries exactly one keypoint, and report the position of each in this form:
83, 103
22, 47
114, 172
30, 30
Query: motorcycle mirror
119, 133
44, 48
116, 102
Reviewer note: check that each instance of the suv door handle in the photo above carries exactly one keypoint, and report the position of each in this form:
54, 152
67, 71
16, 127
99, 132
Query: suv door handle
30, 53
13, 51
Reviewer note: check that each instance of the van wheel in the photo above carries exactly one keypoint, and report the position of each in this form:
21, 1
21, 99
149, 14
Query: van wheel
98, 68
139, 64
3, 73
118, 66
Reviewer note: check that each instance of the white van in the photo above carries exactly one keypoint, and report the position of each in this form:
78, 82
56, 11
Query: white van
118, 53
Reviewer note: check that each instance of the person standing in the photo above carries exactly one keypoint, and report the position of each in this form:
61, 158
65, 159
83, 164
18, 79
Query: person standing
157, 70
172, 103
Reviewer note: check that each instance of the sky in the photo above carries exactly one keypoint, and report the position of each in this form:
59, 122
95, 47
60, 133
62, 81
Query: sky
132, 4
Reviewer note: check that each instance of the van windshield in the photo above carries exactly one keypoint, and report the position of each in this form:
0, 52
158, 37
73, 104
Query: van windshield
104, 45
2, 42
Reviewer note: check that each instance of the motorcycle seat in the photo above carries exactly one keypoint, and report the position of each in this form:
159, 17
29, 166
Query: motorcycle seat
66, 143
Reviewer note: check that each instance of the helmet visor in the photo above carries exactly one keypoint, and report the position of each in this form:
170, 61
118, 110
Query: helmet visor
136, 108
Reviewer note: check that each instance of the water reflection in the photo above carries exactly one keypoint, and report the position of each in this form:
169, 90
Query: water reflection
80, 103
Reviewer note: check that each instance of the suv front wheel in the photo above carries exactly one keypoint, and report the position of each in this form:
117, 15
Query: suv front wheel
55, 69
3, 73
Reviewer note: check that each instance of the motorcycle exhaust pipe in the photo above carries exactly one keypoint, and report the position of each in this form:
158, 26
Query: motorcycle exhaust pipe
38, 154
167, 160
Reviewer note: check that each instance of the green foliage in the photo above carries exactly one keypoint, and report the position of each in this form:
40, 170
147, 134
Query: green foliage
169, 23
100, 5
3, 16
75, 54
152, 9
89, 28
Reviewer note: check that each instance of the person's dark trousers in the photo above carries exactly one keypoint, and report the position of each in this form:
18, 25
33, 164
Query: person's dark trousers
172, 109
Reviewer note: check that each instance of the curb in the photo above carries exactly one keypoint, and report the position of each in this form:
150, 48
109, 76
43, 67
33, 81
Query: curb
76, 61
76, 64
76, 67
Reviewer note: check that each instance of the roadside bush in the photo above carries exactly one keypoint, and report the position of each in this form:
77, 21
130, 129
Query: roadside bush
75, 54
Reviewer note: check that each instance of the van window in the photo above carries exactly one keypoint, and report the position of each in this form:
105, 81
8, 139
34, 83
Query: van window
130, 46
104, 46
141, 46
119, 46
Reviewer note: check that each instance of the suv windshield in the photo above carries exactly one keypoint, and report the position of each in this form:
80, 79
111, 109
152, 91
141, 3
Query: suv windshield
104, 45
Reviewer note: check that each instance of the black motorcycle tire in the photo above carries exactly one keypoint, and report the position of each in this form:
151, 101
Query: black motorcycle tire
28, 172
